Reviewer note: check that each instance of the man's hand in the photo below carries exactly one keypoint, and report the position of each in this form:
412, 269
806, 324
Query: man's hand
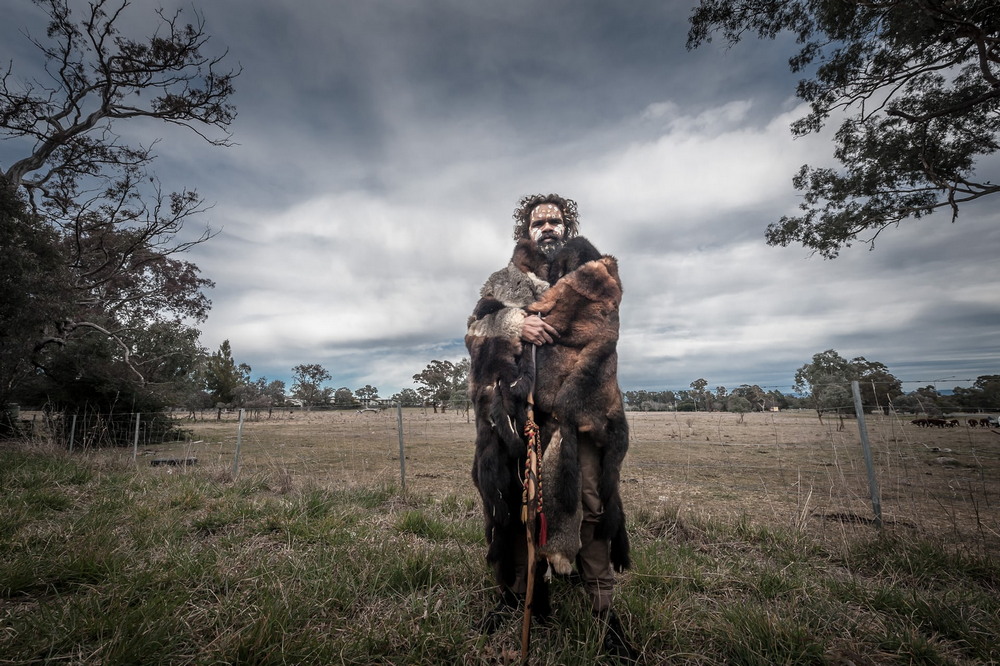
537, 332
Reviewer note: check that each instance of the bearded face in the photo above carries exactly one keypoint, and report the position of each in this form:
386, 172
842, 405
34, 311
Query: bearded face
551, 248
546, 227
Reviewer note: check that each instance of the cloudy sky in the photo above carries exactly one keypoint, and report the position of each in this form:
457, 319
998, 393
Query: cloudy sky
382, 146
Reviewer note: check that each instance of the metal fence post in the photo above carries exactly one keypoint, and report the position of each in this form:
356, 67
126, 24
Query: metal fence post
239, 440
135, 441
72, 433
866, 447
402, 454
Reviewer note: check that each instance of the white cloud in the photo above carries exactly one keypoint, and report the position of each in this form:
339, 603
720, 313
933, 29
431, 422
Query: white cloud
380, 158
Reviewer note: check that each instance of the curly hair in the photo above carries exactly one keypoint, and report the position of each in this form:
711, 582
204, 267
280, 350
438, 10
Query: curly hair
522, 214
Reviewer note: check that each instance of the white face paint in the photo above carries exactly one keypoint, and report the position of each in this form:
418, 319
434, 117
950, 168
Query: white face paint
546, 224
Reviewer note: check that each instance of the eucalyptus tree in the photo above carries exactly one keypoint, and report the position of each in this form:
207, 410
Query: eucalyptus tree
915, 86
443, 382
307, 384
983, 395
366, 394
224, 378
104, 220
343, 397
699, 394
827, 379
754, 395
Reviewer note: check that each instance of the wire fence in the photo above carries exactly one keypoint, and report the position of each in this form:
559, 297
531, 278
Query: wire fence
788, 467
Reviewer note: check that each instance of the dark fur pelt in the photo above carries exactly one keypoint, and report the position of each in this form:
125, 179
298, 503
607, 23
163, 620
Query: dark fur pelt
498, 388
574, 253
576, 389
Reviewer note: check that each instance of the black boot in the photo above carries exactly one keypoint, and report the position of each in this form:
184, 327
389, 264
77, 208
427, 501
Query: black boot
500, 613
541, 603
616, 644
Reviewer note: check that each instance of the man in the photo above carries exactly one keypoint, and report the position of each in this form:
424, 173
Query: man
578, 409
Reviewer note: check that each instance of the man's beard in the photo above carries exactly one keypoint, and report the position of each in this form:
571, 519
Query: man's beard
550, 249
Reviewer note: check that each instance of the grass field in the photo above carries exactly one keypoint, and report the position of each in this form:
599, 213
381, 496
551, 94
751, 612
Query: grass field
783, 469
753, 543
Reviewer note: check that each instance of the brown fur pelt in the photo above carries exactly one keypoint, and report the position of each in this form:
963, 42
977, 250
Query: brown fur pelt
576, 384
563, 541
576, 389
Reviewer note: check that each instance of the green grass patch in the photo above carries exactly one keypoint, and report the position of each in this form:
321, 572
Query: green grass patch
119, 564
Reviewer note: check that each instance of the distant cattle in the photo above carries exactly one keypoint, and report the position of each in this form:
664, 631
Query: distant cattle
973, 423
934, 423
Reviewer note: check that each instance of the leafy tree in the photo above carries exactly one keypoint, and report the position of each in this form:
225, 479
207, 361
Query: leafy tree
699, 395
169, 357
928, 399
776, 398
343, 397
273, 390
878, 386
739, 405
983, 394
307, 384
635, 398
827, 379
754, 395
443, 381
918, 86
650, 401
224, 377
366, 394
102, 229
907, 403
791, 401
989, 386
32, 282
407, 398
86, 377
259, 395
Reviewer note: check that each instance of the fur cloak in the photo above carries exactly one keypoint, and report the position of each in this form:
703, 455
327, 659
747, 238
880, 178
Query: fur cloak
576, 391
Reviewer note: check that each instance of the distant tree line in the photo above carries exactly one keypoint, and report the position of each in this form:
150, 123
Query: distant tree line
220, 382
824, 384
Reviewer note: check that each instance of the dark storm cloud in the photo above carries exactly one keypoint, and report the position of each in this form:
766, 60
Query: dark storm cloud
381, 146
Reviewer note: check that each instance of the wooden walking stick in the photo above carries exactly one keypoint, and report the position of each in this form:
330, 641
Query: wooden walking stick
531, 509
